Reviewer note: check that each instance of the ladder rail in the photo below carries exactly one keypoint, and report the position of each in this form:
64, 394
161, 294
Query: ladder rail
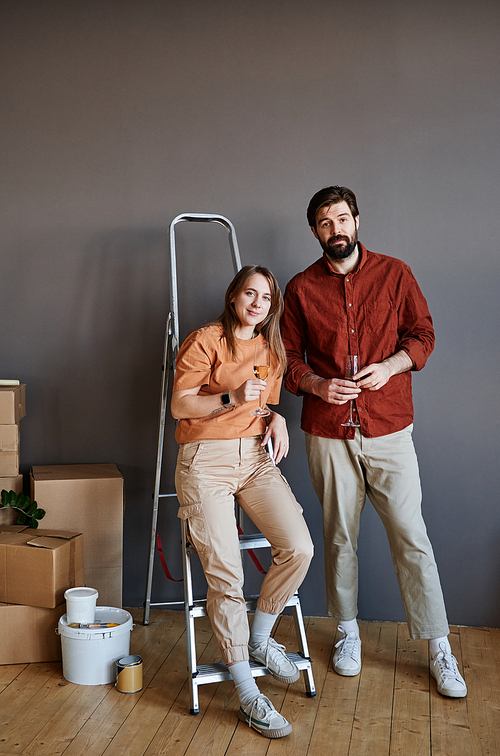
159, 464
170, 350
235, 254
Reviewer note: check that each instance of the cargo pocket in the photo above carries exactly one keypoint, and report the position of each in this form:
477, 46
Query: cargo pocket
189, 453
196, 527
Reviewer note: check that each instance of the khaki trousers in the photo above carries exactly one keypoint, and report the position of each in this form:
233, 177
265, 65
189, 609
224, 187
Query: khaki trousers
210, 476
343, 473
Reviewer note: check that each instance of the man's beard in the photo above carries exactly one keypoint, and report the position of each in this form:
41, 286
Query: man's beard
336, 252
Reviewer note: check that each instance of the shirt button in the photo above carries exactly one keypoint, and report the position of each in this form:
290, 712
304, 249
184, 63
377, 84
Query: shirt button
347, 280
352, 330
350, 305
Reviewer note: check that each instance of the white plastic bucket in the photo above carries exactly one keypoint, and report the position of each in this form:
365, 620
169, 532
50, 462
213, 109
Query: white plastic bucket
80, 605
89, 655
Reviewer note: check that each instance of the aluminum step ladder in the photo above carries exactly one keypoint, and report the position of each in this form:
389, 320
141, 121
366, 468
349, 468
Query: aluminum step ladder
217, 672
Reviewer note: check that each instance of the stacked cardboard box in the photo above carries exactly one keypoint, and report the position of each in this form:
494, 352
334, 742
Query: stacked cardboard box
83, 505
87, 499
12, 410
36, 567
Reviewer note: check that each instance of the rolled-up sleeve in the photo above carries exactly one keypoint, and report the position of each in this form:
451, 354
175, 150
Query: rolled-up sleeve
416, 331
193, 365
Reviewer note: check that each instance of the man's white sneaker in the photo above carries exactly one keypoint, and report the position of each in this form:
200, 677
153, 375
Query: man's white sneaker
263, 717
347, 656
445, 671
273, 656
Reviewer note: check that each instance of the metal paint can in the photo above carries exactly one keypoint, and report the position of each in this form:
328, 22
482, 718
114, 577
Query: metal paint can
129, 674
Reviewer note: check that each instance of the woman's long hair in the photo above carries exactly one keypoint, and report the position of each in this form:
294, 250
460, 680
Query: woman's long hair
269, 328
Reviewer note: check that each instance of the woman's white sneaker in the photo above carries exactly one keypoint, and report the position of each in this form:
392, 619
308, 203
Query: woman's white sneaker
273, 656
347, 656
445, 671
263, 717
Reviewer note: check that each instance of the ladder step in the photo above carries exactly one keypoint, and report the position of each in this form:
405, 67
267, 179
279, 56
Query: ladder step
208, 673
198, 610
199, 607
250, 541
253, 541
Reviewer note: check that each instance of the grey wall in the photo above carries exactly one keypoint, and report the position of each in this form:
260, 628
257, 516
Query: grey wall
117, 115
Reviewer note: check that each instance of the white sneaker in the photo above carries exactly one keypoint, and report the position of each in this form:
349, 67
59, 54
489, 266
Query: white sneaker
263, 717
273, 656
347, 656
445, 671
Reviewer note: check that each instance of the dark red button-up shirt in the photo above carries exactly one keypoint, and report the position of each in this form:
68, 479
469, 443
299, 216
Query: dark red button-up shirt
373, 312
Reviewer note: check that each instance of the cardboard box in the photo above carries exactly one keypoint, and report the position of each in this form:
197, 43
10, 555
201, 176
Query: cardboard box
12, 404
37, 566
87, 499
9, 450
28, 634
13, 483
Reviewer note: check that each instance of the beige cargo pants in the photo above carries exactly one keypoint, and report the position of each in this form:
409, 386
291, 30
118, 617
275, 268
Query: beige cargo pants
210, 476
385, 469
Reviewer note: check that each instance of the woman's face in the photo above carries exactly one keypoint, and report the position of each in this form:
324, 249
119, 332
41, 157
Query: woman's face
252, 304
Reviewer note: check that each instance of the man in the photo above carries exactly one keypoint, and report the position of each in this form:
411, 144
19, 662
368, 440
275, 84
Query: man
355, 302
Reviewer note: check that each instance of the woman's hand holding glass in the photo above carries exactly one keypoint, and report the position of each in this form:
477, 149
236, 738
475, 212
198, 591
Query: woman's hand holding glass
261, 364
249, 391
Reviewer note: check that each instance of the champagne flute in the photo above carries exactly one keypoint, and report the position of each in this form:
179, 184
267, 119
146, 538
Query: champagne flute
350, 369
261, 370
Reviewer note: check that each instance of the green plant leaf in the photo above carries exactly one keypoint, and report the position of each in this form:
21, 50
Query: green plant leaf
28, 510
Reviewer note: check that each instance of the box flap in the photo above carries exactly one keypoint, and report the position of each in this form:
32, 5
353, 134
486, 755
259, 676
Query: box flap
45, 542
12, 528
15, 534
74, 472
66, 534
13, 537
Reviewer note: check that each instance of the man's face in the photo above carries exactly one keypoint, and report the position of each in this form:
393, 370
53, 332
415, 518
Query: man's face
336, 230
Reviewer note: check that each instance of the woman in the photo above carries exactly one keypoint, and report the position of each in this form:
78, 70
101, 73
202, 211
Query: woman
222, 459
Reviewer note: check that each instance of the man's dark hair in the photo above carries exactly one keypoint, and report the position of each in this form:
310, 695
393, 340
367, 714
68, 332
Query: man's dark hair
331, 195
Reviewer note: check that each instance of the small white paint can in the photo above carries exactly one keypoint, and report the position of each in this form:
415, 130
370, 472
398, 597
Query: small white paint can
129, 674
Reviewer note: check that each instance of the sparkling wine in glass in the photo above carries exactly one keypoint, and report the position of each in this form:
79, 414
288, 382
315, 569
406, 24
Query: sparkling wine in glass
261, 370
350, 369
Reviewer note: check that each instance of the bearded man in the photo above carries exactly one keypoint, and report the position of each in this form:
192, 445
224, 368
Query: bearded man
356, 303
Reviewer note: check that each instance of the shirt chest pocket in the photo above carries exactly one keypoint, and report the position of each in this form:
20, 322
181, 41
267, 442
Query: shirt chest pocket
332, 317
380, 318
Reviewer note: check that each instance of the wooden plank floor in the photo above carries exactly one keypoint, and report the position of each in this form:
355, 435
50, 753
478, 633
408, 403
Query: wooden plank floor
391, 708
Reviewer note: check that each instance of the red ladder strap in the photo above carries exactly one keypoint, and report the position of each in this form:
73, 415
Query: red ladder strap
180, 580
163, 562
